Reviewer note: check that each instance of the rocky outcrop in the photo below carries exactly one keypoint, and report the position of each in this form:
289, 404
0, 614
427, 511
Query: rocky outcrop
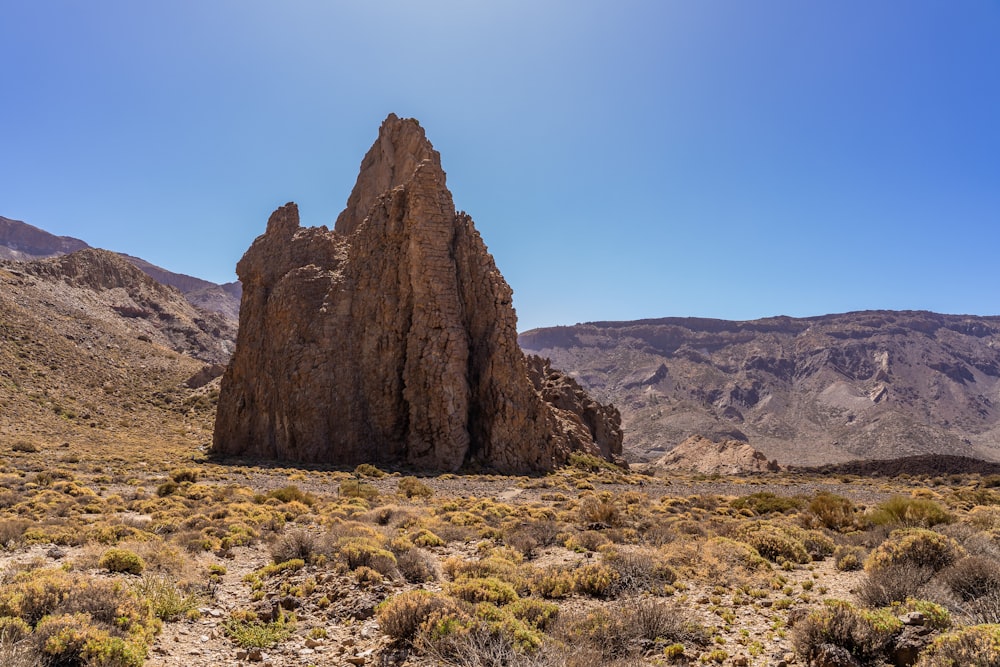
583, 419
728, 457
392, 338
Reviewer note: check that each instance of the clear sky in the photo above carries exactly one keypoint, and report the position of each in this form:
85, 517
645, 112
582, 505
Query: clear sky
621, 160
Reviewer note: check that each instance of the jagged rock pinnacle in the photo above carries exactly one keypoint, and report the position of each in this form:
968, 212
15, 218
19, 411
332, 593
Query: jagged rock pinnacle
392, 338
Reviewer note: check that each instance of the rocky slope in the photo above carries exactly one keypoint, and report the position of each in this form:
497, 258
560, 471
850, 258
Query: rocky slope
808, 391
89, 353
392, 338
20, 241
102, 285
223, 299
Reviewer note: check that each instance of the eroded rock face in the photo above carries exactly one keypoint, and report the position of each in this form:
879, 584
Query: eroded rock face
391, 339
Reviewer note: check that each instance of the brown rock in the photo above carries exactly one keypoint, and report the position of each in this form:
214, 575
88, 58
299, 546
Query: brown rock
392, 339
702, 455
204, 376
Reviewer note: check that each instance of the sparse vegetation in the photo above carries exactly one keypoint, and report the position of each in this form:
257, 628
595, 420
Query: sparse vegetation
590, 564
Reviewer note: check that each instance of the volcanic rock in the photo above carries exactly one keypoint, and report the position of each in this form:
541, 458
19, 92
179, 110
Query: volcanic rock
392, 338
728, 457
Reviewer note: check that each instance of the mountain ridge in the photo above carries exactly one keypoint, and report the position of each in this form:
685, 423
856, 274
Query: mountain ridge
22, 242
806, 391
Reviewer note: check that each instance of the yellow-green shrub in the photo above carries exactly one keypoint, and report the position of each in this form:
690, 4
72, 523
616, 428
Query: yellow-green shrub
731, 553
848, 558
487, 589
401, 616
915, 546
866, 634
910, 512
536, 612
368, 470
765, 502
503, 623
774, 543
833, 511
168, 601
246, 629
425, 538
553, 583
122, 560
978, 645
597, 580
79, 619
935, 616
362, 551
13, 630
411, 486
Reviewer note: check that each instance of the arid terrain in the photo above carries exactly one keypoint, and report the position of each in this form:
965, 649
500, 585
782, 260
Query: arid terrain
185, 560
22, 242
168, 495
808, 391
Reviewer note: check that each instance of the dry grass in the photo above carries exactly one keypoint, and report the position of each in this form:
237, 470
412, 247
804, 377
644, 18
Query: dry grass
629, 569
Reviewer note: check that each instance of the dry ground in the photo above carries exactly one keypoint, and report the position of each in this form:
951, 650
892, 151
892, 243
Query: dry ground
585, 566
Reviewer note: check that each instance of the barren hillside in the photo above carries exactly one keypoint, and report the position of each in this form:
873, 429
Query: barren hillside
22, 242
809, 391
90, 347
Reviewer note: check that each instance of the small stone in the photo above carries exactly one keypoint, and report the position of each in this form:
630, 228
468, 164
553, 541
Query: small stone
289, 603
312, 643
306, 651
241, 655
203, 639
913, 618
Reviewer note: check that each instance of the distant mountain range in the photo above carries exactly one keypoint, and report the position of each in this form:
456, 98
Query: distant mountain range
809, 391
22, 242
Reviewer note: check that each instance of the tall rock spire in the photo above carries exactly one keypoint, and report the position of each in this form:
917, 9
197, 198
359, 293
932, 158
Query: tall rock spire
392, 338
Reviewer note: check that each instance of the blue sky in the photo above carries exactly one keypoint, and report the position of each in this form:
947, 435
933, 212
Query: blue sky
621, 159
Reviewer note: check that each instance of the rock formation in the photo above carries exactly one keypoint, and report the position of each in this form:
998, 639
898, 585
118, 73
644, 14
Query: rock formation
728, 457
392, 338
